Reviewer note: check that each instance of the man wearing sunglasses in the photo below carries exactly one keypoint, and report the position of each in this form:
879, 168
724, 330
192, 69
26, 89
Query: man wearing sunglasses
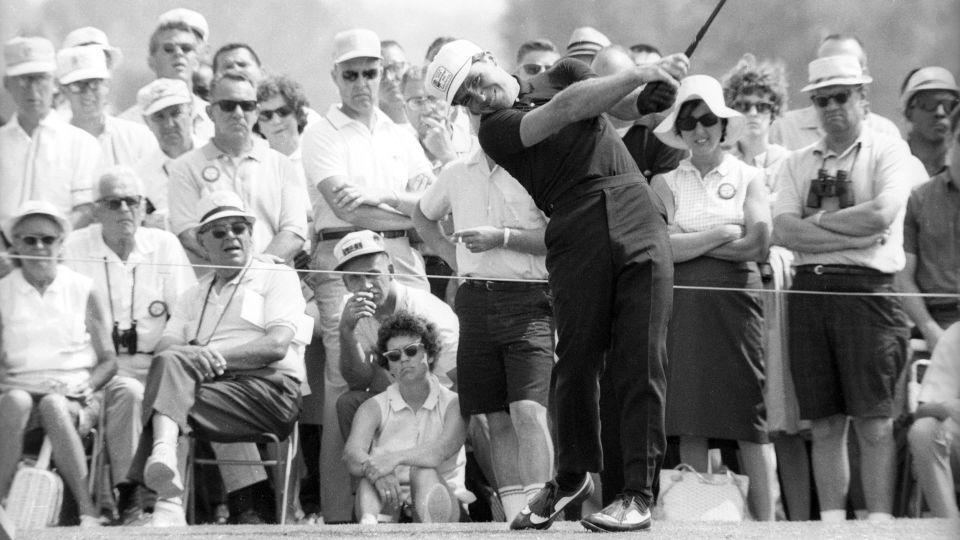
85, 81
236, 160
140, 272
534, 57
176, 47
608, 256
369, 172
43, 157
928, 97
840, 207
230, 361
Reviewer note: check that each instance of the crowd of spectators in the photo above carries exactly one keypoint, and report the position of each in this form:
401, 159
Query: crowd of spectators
220, 261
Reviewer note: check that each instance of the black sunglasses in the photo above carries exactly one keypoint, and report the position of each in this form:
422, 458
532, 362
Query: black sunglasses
368, 74
236, 228
930, 104
823, 100
689, 123
282, 112
763, 107
36, 241
115, 203
534, 69
409, 351
230, 105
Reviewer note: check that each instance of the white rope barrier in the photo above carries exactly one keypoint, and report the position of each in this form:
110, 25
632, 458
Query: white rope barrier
528, 280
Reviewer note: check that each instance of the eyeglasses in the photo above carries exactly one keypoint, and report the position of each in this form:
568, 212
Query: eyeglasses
80, 87
689, 123
422, 103
535, 69
230, 105
823, 100
282, 112
237, 229
409, 351
116, 203
930, 103
762, 107
37, 241
173, 112
174, 48
368, 74
30, 79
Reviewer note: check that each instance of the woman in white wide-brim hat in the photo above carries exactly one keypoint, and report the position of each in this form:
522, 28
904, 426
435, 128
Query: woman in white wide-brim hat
719, 224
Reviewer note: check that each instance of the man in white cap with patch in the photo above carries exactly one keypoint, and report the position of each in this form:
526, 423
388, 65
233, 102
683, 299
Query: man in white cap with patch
840, 207
177, 46
43, 157
608, 256
166, 105
85, 81
369, 172
801, 127
230, 362
928, 96
238, 161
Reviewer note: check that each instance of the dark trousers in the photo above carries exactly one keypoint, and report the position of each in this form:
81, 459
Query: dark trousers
612, 276
234, 406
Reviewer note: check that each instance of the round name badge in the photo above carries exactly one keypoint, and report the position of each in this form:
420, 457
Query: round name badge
157, 308
726, 191
210, 173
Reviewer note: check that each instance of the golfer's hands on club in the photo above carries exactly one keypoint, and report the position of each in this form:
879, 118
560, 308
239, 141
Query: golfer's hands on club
663, 79
479, 239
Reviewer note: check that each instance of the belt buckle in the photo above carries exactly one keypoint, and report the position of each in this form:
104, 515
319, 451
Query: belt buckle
818, 269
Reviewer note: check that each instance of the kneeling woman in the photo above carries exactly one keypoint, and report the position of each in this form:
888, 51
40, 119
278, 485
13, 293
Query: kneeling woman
406, 444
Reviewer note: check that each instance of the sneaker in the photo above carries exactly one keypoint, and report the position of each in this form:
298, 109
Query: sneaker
167, 514
437, 505
91, 522
161, 473
548, 503
627, 513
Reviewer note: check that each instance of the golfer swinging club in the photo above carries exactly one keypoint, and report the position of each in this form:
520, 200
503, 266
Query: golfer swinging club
608, 255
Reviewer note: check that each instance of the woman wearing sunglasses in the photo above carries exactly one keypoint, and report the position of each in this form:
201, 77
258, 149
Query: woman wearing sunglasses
759, 92
56, 352
406, 444
719, 224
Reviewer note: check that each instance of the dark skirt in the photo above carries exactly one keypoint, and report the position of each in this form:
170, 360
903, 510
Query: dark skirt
715, 353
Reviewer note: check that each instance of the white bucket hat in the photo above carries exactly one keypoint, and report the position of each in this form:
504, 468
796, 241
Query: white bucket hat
449, 69
34, 208
81, 63
88, 35
708, 89
24, 55
839, 70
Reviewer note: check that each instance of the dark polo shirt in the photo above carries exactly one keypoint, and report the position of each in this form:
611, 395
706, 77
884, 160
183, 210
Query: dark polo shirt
931, 231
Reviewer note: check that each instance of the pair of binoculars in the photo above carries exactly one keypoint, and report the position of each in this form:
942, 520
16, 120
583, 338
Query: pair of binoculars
126, 339
827, 185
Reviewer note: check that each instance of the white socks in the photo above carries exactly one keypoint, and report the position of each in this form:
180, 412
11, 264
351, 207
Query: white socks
513, 500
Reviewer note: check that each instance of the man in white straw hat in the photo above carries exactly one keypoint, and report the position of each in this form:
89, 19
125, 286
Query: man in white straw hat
840, 207
607, 254
43, 157
84, 79
928, 96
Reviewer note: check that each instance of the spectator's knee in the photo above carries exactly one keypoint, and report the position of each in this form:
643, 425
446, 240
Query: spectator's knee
499, 424
528, 415
124, 390
828, 428
874, 431
15, 402
924, 433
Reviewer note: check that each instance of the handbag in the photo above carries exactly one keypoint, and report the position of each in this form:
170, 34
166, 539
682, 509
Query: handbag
36, 493
687, 495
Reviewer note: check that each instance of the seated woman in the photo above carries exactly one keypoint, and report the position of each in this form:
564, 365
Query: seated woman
55, 351
406, 444
719, 223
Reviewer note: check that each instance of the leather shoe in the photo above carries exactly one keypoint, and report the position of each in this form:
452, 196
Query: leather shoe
627, 513
548, 503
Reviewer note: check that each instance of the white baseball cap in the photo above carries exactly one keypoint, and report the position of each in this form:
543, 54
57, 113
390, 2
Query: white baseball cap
89, 35
162, 93
449, 69
357, 244
188, 17
33, 208
708, 89
81, 63
24, 55
356, 43
839, 70
221, 204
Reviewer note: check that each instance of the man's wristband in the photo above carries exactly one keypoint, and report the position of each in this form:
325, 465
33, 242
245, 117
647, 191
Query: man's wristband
506, 236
